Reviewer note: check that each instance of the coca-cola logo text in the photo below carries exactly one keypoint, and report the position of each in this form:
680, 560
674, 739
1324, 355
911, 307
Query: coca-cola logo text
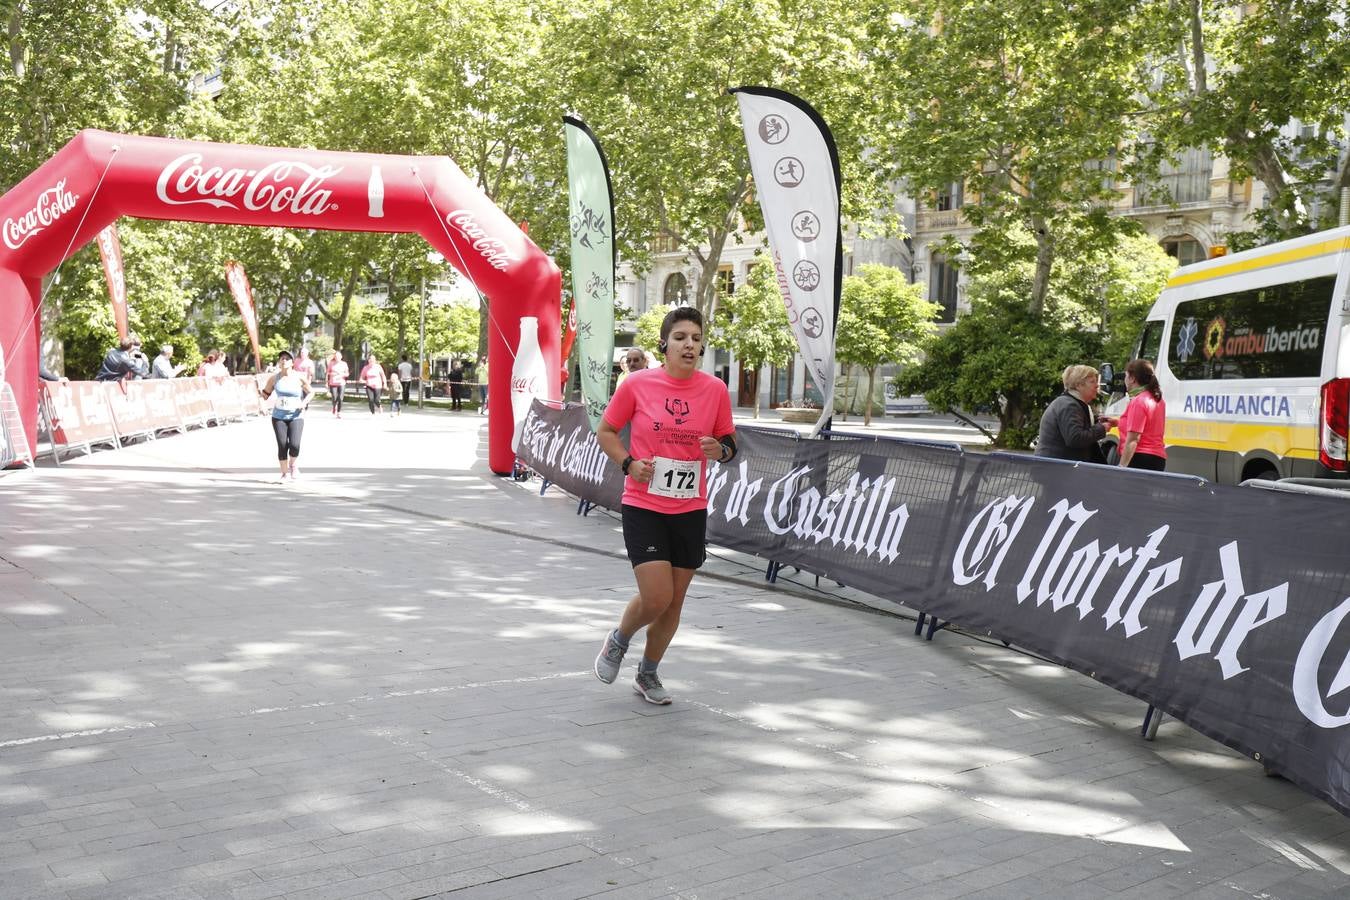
112, 264
525, 384
280, 187
51, 205
486, 246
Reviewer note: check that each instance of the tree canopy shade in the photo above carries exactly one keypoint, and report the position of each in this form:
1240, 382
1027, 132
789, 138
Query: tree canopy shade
650, 78
752, 323
1025, 101
1004, 358
882, 319
1268, 85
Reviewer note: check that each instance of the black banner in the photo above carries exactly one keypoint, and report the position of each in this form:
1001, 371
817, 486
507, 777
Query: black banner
1224, 606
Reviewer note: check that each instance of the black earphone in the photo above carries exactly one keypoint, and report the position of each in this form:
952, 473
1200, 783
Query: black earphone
664, 344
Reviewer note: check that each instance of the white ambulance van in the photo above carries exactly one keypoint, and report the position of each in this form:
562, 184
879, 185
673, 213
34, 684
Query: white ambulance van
1253, 355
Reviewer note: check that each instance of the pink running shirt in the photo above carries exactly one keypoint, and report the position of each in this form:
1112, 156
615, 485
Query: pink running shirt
1148, 417
668, 416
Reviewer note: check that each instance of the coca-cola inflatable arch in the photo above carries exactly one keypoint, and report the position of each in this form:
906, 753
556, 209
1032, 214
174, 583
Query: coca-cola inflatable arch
100, 176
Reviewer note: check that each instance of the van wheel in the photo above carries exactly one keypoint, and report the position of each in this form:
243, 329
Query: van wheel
1261, 470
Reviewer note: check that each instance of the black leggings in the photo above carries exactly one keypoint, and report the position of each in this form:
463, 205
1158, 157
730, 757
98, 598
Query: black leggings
1148, 461
373, 398
288, 433
335, 393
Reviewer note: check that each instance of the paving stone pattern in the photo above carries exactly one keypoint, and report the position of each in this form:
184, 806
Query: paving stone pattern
376, 683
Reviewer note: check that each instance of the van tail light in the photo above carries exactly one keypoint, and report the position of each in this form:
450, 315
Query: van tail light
1331, 449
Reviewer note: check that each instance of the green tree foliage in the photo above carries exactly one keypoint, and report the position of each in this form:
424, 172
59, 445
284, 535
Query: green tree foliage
452, 330
1021, 100
1268, 85
882, 319
121, 65
1004, 358
752, 323
650, 77
648, 333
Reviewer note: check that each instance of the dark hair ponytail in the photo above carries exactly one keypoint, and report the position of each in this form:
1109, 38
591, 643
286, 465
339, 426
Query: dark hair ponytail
1141, 370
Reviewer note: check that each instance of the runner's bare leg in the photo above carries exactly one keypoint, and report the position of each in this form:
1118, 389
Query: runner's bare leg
657, 605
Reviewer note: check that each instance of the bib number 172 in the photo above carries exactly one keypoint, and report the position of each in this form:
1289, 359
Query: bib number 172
675, 478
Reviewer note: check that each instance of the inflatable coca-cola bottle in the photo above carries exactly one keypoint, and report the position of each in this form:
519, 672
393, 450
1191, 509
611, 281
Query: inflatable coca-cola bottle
528, 376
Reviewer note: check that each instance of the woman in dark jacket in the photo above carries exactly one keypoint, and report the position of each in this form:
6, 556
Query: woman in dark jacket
1067, 429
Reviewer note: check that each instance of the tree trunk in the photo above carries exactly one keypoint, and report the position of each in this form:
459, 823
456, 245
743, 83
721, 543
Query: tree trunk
757, 368
1266, 166
400, 317
1045, 259
867, 402
339, 317
15, 47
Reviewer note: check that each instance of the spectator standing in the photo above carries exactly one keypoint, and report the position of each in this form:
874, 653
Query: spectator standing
338, 370
304, 366
634, 360
293, 394
214, 366
480, 372
163, 366
372, 376
1067, 428
124, 362
396, 392
1144, 420
456, 386
405, 373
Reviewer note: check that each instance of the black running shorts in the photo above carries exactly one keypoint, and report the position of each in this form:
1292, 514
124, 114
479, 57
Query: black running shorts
676, 538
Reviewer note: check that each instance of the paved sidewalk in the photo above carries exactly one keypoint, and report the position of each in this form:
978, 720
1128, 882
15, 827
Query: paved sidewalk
376, 683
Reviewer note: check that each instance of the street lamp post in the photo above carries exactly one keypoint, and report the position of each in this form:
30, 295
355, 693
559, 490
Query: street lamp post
434, 259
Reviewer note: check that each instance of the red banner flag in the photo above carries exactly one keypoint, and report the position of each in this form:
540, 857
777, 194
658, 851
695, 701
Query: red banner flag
110, 248
243, 295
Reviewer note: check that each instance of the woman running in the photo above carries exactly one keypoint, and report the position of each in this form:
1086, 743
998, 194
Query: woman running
681, 419
292, 392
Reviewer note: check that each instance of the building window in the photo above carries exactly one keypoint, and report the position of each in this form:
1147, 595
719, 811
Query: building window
664, 243
726, 281
676, 291
1107, 167
950, 196
1187, 250
1184, 181
942, 288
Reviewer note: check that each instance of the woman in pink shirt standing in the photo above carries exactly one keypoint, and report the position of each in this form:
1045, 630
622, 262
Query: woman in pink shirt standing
1144, 420
372, 376
680, 421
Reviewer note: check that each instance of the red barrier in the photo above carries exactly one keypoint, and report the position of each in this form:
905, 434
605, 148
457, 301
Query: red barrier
161, 406
130, 412
250, 393
224, 399
193, 401
78, 414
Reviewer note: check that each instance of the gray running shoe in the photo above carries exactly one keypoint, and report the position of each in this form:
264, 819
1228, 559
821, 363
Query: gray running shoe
649, 686
610, 658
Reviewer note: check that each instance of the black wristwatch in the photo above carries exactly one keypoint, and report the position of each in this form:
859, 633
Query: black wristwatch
627, 461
